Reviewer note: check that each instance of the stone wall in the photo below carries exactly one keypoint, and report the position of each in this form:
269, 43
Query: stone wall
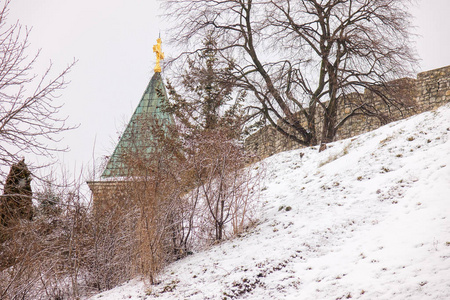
430, 90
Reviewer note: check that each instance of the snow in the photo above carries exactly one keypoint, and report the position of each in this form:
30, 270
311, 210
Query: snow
369, 218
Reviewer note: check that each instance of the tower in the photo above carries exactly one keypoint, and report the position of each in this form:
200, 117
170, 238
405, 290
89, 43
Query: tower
137, 139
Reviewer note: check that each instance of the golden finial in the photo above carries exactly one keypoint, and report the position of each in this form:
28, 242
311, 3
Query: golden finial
159, 55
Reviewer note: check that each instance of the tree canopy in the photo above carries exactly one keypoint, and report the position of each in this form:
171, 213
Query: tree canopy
301, 60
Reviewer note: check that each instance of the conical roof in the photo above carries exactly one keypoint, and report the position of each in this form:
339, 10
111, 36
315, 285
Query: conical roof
134, 138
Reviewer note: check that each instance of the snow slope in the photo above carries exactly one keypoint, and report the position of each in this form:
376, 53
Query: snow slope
369, 218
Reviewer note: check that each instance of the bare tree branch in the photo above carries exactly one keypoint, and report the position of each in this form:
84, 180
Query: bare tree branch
29, 114
300, 58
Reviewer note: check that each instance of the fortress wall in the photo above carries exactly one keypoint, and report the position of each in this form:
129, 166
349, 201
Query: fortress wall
430, 90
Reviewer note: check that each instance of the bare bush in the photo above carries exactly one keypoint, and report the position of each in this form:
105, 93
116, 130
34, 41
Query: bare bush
225, 191
68, 250
152, 190
112, 247
42, 258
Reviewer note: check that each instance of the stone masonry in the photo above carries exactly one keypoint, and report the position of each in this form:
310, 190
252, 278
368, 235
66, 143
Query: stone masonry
430, 90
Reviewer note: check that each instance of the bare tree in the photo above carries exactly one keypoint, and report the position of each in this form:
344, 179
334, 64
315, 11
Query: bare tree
208, 107
303, 60
223, 192
29, 115
46, 257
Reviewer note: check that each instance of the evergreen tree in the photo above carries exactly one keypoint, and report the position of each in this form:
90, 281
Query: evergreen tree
16, 201
209, 99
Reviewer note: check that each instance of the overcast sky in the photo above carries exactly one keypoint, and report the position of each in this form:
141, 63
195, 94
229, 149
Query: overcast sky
112, 41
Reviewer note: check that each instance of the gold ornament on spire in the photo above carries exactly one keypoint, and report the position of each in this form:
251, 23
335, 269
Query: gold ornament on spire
159, 55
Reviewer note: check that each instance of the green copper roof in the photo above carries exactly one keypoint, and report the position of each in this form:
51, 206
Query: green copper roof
136, 137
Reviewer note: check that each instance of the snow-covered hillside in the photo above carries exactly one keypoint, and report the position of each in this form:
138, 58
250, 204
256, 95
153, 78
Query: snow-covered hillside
369, 218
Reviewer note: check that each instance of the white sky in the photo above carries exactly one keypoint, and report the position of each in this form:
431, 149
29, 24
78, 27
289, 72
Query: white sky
112, 41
